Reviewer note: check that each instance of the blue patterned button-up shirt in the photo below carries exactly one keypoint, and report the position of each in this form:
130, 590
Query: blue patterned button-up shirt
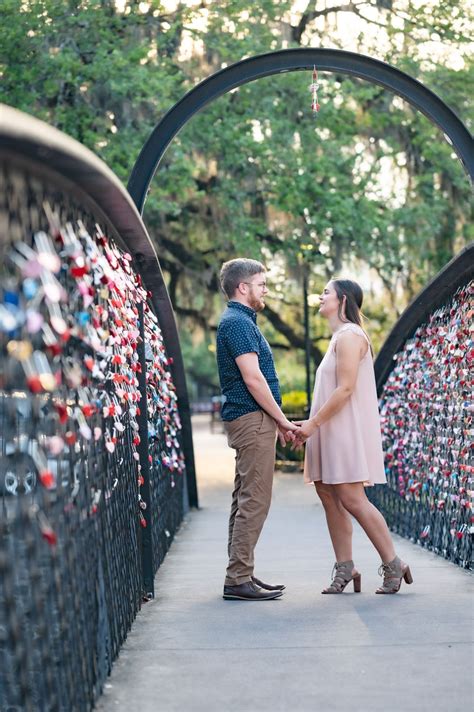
239, 334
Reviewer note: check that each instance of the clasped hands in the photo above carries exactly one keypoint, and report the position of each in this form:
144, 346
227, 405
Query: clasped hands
296, 432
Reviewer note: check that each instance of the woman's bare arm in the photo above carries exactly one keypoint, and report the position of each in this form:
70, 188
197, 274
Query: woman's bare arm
350, 349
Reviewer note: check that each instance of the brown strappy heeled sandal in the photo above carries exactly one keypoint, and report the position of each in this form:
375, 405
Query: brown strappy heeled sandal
341, 575
393, 573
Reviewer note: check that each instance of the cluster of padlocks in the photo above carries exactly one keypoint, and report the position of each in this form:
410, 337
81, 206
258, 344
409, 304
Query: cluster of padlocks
70, 331
427, 423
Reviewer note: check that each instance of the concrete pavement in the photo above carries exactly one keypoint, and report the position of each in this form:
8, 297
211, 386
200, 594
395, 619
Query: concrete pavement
189, 650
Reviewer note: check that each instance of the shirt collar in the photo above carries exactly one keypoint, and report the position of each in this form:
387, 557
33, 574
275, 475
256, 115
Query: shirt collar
246, 310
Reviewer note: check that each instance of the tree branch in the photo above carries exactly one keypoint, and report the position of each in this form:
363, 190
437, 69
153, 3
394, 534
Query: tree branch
295, 340
308, 16
196, 316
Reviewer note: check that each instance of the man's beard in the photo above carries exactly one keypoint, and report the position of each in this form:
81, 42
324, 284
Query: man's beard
257, 304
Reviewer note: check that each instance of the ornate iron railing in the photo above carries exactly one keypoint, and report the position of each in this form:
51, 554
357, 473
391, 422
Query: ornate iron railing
425, 381
93, 483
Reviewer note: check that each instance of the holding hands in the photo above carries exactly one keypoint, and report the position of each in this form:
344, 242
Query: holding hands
296, 432
286, 431
304, 430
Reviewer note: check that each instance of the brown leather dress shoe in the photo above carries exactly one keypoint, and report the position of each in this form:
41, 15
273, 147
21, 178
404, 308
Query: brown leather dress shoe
268, 586
248, 591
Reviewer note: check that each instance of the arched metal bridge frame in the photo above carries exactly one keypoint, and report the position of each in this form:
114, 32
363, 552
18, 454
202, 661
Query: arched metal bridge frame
248, 70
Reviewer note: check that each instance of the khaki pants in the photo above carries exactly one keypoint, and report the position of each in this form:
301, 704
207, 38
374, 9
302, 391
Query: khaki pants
253, 438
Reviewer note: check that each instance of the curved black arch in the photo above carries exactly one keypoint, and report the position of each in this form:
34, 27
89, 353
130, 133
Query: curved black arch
291, 60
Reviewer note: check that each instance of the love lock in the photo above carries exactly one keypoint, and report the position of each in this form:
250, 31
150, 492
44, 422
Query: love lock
56, 318
26, 259
47, 255
17, 474
53, 219
53, 290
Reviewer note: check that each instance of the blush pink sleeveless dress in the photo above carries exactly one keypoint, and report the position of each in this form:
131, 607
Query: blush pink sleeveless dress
348, 446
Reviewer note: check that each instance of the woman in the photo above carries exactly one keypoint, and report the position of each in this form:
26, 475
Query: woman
344, 445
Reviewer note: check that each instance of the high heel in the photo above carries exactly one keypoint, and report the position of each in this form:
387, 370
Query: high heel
393, 573
341, 576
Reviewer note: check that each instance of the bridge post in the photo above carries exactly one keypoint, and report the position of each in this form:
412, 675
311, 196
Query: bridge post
143, 450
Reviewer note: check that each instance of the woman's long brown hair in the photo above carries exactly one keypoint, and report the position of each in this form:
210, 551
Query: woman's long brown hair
354, 297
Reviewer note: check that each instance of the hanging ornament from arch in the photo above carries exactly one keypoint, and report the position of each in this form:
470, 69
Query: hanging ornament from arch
314, 88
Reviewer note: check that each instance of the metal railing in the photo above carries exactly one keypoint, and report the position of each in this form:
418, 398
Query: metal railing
425, 384
93, 481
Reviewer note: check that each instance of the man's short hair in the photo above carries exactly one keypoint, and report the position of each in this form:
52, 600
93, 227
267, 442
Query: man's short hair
236, 271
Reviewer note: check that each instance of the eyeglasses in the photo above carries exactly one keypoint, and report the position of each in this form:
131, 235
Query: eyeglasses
259, 284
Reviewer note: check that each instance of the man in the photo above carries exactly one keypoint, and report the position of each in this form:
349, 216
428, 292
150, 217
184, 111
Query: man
252, 418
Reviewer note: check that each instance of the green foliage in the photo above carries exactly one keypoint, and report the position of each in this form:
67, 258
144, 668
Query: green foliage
200, 363
290, 369
84, 67
294, 402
